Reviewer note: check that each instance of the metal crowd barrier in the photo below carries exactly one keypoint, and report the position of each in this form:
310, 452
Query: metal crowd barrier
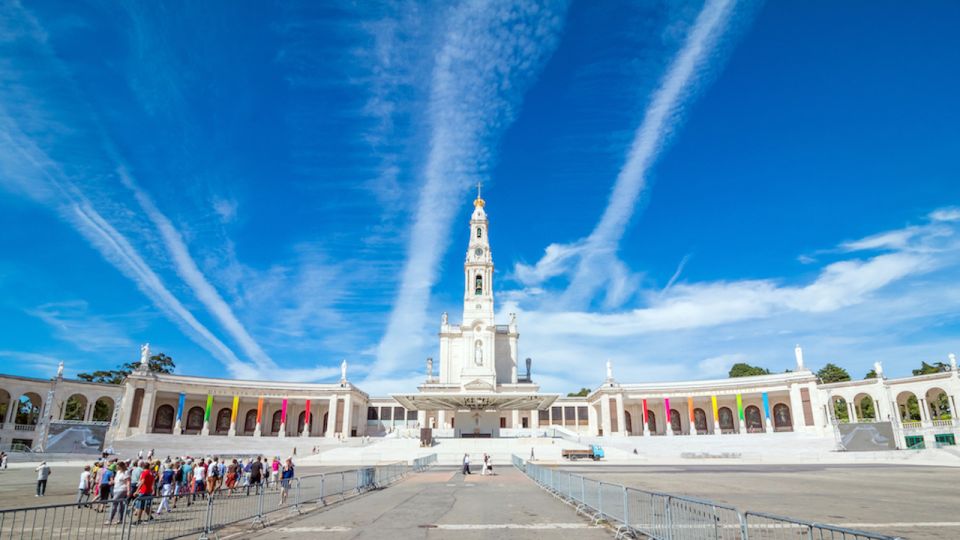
197, 516
665, 516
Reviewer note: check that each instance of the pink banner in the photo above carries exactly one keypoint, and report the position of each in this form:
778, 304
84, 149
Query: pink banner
306, 416
666, 405
283, 412
646, 415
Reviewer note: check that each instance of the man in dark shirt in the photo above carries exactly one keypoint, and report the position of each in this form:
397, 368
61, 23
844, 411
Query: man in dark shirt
256, 475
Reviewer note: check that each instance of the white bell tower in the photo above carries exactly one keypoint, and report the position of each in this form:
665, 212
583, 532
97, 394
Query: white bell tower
479, 328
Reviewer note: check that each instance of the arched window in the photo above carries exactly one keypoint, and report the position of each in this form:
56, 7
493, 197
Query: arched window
163, 419
781, 417
628, 420
651, 421
753, 420
675, 424
250, 421
700, 420
275, 423
75, 408
103, 410
195, 418
223, 420
28, 409
478, 285
726, 419
479, 232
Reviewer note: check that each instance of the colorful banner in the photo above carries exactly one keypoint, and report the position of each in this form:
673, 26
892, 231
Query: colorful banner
646, 414
183, 398
666, 407
716, 415
693, 419
259, 409
283, 412
233, 413
206, 413
766, 406
740, 406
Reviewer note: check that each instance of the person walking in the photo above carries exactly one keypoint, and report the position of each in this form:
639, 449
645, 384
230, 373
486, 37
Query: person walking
286, 476
256, 474
43, 472
276, 467
86, 481
199, 480
483, 470
121, 490
103, 486
167, 483
144, 500
3, 460
466, 464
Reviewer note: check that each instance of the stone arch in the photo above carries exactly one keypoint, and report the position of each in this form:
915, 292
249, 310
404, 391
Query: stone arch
700, 420
725, 416
651, 421
250, 421
5, 398
781, 417
194, 419
865, 407
75, 408
628, 420
223, 420
938, 404
840, 409
28, 406
753, 419
301, 421
163, 419
275, 422
675, 425
908, 407
102, 409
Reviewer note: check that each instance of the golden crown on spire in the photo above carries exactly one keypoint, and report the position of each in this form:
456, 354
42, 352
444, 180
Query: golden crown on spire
479, 202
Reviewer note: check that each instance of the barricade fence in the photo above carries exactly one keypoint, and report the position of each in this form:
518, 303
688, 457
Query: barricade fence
665, 516
197, 515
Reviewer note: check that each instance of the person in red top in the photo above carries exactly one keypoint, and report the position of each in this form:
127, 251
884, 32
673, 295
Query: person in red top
144, 494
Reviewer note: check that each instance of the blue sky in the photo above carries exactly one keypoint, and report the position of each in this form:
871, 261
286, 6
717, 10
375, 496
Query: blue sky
264, 190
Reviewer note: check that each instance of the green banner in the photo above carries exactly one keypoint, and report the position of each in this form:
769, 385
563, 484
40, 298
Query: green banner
740, 406
206, 413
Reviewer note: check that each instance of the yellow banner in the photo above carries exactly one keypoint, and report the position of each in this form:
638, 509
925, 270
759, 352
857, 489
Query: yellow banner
233, 413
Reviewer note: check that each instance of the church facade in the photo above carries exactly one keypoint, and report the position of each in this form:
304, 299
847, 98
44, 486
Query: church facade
479, 387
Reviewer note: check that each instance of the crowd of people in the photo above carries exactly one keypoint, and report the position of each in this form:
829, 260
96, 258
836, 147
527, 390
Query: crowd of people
111, 485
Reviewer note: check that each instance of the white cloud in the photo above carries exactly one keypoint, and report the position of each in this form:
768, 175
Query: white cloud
226, 209
946, 214
72, 322
488, 54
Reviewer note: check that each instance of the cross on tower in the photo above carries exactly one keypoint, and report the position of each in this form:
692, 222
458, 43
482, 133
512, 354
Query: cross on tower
479, 185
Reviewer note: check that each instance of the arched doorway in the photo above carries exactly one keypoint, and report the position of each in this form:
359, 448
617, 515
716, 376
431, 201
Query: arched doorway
752, 419
781, 418
250, 421
865, 407
726, 420
909, 407
275, 423
651, 421
4, 405
628, 419
103, 409
700, 420
75, 408
675, 424
938, 404
840, 410
301, 421
28, 409
194, 419
223, 420
163, 419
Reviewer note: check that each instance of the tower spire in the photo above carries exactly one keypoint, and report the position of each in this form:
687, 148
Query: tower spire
479, 202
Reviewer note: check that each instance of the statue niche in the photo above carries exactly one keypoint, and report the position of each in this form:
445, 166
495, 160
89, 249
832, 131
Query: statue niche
478, 353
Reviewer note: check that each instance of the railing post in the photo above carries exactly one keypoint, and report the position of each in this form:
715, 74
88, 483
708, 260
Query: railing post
626, 513
669, 518
583, 491
600, 497
297, 500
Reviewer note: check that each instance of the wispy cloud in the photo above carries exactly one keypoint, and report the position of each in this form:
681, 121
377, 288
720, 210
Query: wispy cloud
488, 55
592, 262
73, 323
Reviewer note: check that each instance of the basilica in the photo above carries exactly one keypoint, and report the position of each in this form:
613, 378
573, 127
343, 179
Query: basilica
479, 387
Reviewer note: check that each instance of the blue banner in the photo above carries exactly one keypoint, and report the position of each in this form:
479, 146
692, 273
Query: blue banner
180, 406
766, 406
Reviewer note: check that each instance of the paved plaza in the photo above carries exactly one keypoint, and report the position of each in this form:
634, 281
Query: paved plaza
908, 501
442, 503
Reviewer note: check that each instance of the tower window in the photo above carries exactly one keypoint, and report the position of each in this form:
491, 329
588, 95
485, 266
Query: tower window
479, 232
479, 285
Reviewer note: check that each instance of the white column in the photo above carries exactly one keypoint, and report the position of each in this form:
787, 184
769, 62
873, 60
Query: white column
605, 414
348, 416
796, 409
126, 408
592, 423
442, 419
515, 420
535, 419
146, 411
422, 418
513, 361
621, 418
332, 416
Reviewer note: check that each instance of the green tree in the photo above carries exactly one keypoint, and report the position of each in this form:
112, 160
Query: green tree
926, 369
742, 369
840, 410
158, 363
831, 373
74, 409
584, 392
867, 410
872, 374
